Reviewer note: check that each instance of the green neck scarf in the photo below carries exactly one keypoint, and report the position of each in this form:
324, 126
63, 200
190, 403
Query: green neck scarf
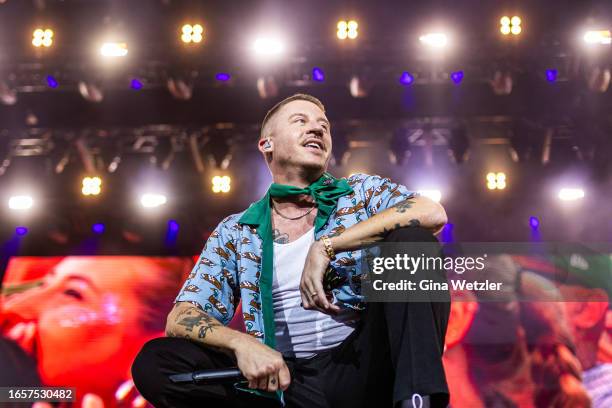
326, 191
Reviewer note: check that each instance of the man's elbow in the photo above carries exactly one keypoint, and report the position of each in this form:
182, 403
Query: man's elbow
435, 217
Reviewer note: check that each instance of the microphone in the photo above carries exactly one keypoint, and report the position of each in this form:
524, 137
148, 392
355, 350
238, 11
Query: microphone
215, 376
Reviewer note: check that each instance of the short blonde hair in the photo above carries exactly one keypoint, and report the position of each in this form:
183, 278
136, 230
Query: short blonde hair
279, 105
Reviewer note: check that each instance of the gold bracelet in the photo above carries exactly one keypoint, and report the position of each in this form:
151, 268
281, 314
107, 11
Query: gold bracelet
328, 247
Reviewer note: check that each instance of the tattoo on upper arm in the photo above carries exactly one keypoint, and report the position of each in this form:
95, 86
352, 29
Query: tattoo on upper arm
280, 237
402, 206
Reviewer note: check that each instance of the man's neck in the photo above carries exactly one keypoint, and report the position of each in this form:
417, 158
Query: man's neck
298, 178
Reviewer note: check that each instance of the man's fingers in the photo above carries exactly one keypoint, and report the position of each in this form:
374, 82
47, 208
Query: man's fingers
284, 378
262, 382
320, 298
272, 382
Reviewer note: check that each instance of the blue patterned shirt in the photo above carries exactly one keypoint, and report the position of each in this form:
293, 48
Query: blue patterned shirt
229, 266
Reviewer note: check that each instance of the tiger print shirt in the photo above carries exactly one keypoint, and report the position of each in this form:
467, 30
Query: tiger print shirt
229, 267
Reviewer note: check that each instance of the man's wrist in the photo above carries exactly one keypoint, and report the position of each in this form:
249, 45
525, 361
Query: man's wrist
328, 247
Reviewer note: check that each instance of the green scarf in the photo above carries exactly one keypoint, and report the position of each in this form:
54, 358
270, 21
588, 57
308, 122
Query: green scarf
326, 191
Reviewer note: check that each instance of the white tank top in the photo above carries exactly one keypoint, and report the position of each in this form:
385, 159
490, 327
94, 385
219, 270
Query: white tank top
299, 332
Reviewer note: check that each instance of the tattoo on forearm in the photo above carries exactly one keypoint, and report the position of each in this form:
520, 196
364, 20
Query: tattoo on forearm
197, 319
403, 206
280, 237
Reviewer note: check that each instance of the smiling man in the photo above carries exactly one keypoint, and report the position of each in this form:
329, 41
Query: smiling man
293, 258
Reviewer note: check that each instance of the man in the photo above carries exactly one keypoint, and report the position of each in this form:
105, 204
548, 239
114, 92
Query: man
305, 345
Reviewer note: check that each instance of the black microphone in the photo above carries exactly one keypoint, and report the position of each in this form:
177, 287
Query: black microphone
215, 376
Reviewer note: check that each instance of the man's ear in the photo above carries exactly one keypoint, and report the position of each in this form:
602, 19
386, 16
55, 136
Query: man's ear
265, 145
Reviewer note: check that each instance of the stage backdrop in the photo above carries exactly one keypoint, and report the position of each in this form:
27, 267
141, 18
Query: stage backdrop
79, 321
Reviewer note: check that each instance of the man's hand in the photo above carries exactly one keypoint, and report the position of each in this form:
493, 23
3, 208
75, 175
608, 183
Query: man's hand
262, 366
311, 285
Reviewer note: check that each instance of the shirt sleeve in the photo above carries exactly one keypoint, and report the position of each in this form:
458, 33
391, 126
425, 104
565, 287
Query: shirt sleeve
212, 281
381, 193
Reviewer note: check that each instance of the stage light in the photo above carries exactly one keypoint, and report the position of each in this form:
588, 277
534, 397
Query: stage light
52, 82
136, 84
270, 46
91, 186
435, 195
456, 76
114, 49
267, 87
21, 231
223, 77
221, 184
496, 181
20, 202
598, 37
173, 226
42, 38
180, 89
598, 79
510, 25
534, 222
98, 228
551, 75
192, 33
152, 200
502, 83
347, 29
406, 78
434, 40
318, 74
90, 92
571, 194
8, 95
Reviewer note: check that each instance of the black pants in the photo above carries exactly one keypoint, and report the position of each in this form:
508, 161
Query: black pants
395, 352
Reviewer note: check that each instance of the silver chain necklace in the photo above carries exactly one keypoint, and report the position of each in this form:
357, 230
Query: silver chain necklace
293, 218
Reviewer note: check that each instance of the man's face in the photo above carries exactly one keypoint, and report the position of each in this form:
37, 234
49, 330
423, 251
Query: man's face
301, 136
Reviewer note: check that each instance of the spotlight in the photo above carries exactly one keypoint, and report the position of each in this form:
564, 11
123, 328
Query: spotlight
136, 84
551, 75
434, 40
52, 82
91, 186
534, 222
571, 194
42, 38
435, 195
223, 77
173, 226
268, 46
114, 50
406, 78
496, 181
21, 231
456, 76
8, 95
502, 83
180, 89
98, 228
267, 87
510, 25
597, 37
598, 79
347, 29
20, 202
192, 33
91, 92
152, 200
318, 74
359, 87
221, 184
